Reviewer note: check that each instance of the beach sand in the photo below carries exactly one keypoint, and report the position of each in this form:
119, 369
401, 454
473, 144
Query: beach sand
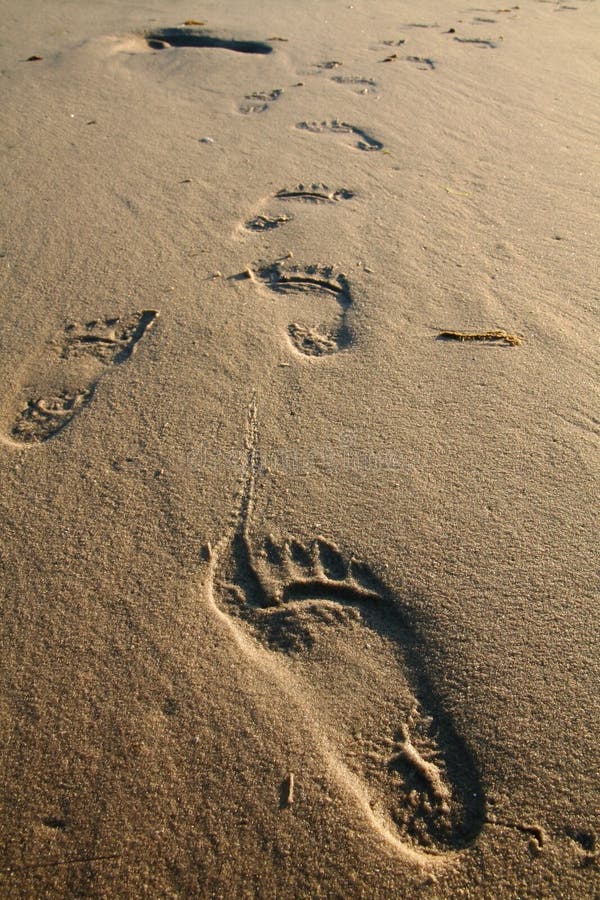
299, 598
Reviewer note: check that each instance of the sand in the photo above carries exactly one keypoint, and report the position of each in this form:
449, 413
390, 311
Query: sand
299, 596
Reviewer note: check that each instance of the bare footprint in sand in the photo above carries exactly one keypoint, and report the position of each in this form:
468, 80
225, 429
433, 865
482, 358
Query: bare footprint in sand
365, 140
325, 299
331, 635
260, 101
315, 193
358, 83
82, 354
478, 42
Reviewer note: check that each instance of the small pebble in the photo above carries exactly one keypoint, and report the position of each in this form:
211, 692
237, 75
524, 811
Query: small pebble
207, 140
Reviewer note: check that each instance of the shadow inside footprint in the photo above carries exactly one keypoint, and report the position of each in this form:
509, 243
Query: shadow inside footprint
192, 37
347, 642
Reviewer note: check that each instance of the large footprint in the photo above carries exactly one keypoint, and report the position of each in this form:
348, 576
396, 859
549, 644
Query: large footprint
82, 355
339, 642
325, 298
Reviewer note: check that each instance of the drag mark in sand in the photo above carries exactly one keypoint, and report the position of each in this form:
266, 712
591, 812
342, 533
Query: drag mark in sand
163, 38
326, 631
319, 288
85, 351
365, 142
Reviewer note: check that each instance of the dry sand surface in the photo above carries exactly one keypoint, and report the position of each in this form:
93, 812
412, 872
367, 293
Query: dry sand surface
298, 595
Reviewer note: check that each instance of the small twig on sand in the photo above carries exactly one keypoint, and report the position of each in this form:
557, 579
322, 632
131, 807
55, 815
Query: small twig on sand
290, 793
501, 336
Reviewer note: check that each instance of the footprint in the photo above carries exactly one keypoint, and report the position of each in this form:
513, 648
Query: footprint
163, 38
329, 64
315, 193
318, 287
332, 635
266, 223
260, 101
83, 352
587, 845
365, 142
312, 193
477, 42
110, 340
422, 62
364, 85
41, 419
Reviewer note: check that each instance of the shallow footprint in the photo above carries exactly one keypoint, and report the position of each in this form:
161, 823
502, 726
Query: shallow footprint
422, 62
360, 85
344, 648
42, 418
260, 101
83, 351
320, 289
314, 193
365, 140
478, 42
266, 223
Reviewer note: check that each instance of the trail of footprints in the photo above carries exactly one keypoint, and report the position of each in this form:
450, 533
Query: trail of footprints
81, 356
309, 613
304, 610
306, 614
